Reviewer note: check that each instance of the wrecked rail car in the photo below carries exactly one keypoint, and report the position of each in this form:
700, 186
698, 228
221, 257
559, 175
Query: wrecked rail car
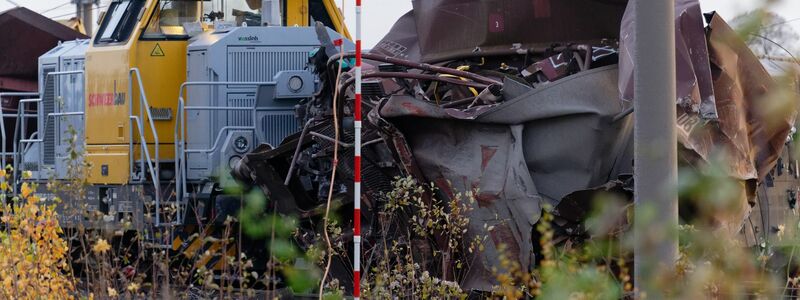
465, 94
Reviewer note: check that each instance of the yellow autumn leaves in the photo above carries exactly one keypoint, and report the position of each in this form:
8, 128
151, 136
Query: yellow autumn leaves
33, 255
101, 246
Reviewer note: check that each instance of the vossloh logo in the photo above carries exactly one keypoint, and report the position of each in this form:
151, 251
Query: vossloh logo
249, 38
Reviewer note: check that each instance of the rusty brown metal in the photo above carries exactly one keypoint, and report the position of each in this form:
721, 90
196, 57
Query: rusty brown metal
450, 29
744, 89
25, 36
716, 112
723, 94
695, 88
18, 85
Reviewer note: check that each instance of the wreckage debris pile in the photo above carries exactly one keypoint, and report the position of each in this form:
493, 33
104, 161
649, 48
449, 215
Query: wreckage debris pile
541, 124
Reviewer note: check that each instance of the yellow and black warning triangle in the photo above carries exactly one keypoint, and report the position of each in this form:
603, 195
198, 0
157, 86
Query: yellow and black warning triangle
157, 51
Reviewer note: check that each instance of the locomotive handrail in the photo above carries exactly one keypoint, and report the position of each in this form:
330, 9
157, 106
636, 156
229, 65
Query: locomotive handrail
19, 131
223, 129
31, 140
20, 125
183, 108
48, 116
3, 123
145, 151
180, 167
180, 128
218, 139
34, 135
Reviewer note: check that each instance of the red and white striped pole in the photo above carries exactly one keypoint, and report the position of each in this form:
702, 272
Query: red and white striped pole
357, 165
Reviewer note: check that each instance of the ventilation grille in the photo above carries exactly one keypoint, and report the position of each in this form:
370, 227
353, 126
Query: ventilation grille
30, 166
276, 125
391, 68
255, 64
372, 89
48, 107
241, 117
161, 114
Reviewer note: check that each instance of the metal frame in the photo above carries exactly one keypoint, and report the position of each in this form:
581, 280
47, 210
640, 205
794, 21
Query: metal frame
31, 140
21, 130
154, 169
3, 135
180, 131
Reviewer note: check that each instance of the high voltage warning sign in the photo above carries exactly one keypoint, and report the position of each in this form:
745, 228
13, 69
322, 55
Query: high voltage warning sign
157, 51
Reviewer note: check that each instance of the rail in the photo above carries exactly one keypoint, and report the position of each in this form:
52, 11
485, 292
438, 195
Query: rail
20, 125
3, 134
154, 170
40, 139
34, 135
20, 131
151, 168
180, 131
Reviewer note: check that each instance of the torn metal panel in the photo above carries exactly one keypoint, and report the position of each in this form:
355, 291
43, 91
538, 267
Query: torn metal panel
514, 154
449, 29
723, 91
716, 109
402, 40
689, 27
581, 107
743, 88
525, 128
488, 160
694, 84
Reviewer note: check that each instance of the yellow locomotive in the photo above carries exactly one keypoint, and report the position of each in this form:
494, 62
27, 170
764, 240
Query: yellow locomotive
161, 99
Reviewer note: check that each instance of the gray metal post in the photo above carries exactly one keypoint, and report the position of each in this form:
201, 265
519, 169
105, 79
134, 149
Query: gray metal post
87, 17
83, 12
78, 9
655, 144
271, 13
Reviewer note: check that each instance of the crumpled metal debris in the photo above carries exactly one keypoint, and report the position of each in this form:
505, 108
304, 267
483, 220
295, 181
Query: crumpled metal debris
514, 156
528, 116
694, 83
453, 29
717, 110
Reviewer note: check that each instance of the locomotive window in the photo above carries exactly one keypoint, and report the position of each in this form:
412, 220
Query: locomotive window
234, 11
119, 22
168, 21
